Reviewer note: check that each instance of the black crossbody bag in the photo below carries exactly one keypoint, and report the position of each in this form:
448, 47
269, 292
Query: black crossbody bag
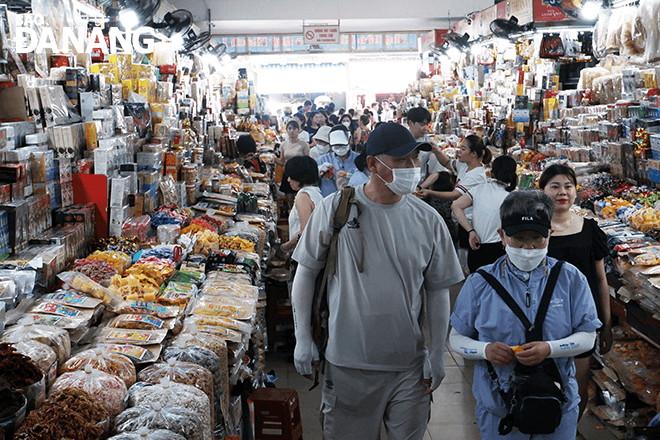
535, 397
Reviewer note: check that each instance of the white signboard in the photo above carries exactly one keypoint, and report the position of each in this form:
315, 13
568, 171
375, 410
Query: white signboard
321, 34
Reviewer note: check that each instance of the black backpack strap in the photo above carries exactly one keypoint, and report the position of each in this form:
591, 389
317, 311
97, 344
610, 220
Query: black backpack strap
536, 333
506, 297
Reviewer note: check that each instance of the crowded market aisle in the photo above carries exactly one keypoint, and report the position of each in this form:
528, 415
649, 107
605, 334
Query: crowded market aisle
452, 409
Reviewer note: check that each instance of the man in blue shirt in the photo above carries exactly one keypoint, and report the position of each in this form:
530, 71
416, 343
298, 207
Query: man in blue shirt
337, 167
485, 328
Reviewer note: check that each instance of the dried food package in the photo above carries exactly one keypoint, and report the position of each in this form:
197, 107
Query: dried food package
229, 289
180, 420
54, 320
56, 338
141, 116
118, 260
98, 270
168, 393
108, 389
136, 354
209, 324
21, 373
228, 307
102, 360
632, 40
108, 335
649, 17
68, 414
140, 322
84, 284
180, 372
239, 278
147, 308
148, 434
207, 351
42, 356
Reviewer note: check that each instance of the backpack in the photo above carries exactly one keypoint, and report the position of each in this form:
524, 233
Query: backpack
535, 398
320, 310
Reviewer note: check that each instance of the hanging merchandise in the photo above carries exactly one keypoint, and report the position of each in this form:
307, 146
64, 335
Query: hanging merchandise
551, 46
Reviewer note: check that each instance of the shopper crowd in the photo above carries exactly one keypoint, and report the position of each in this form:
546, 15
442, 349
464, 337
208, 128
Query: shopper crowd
417, 221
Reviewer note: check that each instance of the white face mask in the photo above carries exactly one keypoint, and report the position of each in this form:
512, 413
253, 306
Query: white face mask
322, 149
404, 180
341, 150
526, 259
346, 124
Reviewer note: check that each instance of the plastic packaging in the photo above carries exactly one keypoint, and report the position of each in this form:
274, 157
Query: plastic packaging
649, 16
156, 416
102, 360
86, 285
137, 227
229, 307
147, 308
229, 289
69, 414
97, 270
118, 260
125, 336
12, 411
108, 389
180, 372
42, 356
207, 351
148, 434
56, 338
176, 394
137, 322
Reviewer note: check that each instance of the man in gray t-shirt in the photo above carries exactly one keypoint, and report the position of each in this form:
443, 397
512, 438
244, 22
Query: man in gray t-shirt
377, 353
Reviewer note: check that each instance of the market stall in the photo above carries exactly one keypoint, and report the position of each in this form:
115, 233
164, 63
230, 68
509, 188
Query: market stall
133, 241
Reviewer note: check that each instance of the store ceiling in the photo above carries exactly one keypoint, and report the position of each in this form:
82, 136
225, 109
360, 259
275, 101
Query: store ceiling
287, 16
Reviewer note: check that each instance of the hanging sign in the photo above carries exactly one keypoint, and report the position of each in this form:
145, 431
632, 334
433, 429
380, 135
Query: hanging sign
321, 34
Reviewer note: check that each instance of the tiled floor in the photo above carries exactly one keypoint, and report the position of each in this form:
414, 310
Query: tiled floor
452, 411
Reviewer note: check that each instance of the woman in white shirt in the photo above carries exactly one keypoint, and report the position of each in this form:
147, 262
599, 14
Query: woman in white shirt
486, 199
303, 175
470, 172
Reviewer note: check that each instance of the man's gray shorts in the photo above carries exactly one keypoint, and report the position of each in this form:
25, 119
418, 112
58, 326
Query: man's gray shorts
355, 402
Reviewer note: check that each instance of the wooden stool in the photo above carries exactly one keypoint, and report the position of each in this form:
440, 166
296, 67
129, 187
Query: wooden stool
276, 414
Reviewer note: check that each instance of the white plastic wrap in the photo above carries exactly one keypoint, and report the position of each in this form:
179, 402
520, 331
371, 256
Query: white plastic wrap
613, 43
180, 372
649, 17
102, 360
177, 419
42, 356
56, 338
630, 46
108, 389
588, 75
600, 33
148, 434
176, 394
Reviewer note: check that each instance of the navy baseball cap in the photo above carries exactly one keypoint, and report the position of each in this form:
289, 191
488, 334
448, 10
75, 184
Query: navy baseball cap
394, 140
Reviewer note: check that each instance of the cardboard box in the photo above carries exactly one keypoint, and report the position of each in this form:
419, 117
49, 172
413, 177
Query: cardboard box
19, 224
148, 182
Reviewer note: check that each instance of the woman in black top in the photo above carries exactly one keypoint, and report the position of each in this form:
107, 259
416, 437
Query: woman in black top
582, 243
